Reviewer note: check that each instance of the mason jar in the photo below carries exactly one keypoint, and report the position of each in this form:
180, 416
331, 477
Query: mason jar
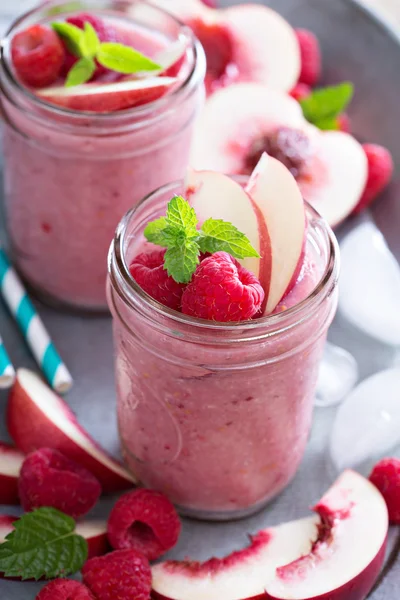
69, 176
217, 415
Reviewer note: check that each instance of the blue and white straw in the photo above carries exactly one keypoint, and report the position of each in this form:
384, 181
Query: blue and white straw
32, 327
7, 373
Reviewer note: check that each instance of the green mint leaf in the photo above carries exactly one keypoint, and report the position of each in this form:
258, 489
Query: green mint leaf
92, 42
73, 37
181, 215
124, 59
331, 124
81, 72
326, 104
160, 233
181, 261
219, 236
43, 544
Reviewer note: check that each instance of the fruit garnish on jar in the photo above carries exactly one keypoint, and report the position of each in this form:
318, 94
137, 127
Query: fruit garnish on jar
87, 64
229, 253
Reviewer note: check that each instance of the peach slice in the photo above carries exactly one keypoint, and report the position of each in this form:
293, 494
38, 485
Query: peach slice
242, 574
95, 533
37, 416
345, 561
276, 194
6, 526
240, 122
108, 97
338, 555
242, 43
11, 460
217, 196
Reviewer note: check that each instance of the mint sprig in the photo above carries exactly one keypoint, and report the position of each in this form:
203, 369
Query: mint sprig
87, 47
323, 106
43, 544
178, 232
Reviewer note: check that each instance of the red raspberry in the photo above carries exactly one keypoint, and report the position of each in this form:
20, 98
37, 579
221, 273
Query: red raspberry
344, 123
121, 575
300, 91
145, 521
65, 589
38, 55
105, 32
310, 57
147, 269
222, 290
386, 477
380, 171
48, 478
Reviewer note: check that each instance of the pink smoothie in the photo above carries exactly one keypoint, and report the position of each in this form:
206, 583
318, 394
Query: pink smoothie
219, 418
70, 176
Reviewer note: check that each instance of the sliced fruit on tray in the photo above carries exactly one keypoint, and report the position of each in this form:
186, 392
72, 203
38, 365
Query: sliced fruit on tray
337, 555
35, 414
242, 43
108, 97
95, 533
6, 526
240, 122
11, 460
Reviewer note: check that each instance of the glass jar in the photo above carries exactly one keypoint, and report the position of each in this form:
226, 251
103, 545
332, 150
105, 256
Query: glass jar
216, 415
70, 176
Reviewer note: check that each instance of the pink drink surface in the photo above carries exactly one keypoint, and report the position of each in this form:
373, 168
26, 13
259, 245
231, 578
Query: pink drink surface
219, 440
66, 190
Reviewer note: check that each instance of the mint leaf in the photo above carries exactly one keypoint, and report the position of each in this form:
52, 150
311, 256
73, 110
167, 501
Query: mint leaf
328, 124
180, 214
91, 40
81, 72
181, 261
73, 37
323, 106
43, 544
124, 59
219, 236
154, 232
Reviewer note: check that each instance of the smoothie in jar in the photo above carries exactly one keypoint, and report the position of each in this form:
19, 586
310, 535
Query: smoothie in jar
215, 388
93, 126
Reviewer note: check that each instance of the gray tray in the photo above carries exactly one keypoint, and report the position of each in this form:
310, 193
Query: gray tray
358, 47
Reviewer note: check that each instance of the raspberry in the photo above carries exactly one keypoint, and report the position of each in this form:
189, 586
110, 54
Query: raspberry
65, 589
380, 171
310, 57
147, 269
38, 55
386, 477
222, 290
300, 91
145, 521
344, 123
120, 575
48, 478
105, 33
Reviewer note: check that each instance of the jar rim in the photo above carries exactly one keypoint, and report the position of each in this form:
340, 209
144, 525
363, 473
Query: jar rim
276, 321
193, 78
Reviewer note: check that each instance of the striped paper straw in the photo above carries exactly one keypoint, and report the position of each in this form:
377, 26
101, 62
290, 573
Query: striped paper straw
32, 327
7, 373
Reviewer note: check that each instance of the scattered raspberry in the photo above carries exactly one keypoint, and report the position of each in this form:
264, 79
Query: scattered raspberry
48, 478
145, 521
121, 575
344, 123
310, 57
380, 171
147, 269
300, 91
222, 290
386, 477
105, 32
38, 55
65, 589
